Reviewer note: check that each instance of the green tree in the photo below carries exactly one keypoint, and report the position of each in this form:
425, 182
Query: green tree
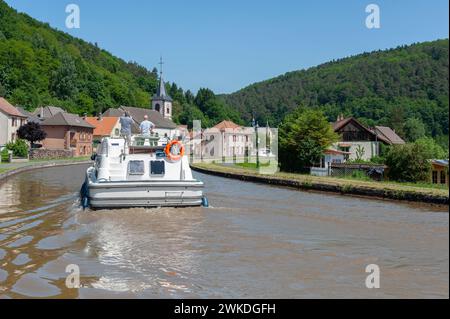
303, 137
397, 120
414, 129
203, 97
408, 163
64, 79
190, 113
431, 149
2, 91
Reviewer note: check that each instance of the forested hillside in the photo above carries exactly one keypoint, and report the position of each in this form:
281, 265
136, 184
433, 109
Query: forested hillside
42, 66
405, 88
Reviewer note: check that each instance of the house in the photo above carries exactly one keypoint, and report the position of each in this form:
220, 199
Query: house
10, 121
163, 126
439, 172
66, 131
361, 142
237, 141
225, 139
104, 127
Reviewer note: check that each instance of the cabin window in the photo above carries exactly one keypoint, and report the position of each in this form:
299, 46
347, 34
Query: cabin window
136, 168
117, 132
157, 107
435, 177
442, 177
168, 111
157, 167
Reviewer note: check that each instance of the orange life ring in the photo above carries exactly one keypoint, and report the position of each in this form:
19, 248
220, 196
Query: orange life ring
174, 150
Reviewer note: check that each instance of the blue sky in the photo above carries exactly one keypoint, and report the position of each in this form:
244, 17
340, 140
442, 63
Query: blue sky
228, 44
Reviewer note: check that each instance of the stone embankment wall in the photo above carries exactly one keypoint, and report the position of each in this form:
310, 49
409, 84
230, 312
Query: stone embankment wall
42, 153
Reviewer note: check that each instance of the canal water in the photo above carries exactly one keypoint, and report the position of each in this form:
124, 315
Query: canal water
256, 241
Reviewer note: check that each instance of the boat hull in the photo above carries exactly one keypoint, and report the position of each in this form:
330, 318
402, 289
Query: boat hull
119, 194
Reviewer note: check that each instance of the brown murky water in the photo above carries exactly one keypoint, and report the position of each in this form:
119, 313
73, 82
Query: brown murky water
256, 241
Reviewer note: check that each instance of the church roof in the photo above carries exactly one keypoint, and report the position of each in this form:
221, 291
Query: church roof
138, 113
161, 91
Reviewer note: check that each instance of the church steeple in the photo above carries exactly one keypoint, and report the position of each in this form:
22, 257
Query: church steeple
161, 101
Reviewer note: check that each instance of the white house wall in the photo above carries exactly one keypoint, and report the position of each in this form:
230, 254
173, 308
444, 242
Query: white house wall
4, 129
371, 149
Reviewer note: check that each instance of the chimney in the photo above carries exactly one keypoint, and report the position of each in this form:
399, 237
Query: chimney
41, 115
100, 117
84, 116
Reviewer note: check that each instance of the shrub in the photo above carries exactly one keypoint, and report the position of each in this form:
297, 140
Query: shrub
408, 163
4, 155
19, 148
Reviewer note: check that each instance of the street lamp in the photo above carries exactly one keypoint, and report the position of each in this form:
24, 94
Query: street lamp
256, 126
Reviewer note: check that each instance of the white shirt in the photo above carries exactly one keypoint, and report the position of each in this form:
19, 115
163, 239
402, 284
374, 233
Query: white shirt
146, 126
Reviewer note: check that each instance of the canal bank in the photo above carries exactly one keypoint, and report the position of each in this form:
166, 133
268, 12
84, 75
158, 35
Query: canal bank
10, 169
384, 190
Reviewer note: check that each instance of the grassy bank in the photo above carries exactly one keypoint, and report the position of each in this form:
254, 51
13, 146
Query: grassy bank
392, 190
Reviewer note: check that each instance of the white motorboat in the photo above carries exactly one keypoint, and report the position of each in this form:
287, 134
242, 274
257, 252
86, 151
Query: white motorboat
145, 174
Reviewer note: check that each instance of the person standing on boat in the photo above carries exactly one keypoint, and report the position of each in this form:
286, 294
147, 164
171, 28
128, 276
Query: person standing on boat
146, 126
126, 123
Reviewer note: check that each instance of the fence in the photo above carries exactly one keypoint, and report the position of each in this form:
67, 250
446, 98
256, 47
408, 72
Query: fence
373, 171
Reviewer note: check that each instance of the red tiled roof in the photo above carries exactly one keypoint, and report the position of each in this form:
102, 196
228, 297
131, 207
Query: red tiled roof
9, 109
226, 124
104, 126
389, 134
